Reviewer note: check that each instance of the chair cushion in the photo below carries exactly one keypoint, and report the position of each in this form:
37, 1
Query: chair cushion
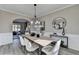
33, 47
47, 49
52, 51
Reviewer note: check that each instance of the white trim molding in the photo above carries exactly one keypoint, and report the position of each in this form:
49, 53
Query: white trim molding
6, 10
69, 5
73, 40
59, 9
6, 38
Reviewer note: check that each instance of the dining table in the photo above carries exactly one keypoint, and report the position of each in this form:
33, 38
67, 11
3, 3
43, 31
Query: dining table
41, 41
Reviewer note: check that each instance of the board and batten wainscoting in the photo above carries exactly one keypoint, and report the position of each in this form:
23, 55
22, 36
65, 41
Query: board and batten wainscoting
6, 38
73, 40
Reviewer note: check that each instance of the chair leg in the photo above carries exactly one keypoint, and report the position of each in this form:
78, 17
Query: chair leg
59, 51
23, 49
37, 50
40, 48
31, 53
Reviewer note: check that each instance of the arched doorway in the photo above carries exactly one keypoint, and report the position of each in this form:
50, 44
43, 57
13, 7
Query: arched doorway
18, 28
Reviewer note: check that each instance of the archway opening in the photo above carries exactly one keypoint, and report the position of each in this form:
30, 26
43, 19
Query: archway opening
19, 27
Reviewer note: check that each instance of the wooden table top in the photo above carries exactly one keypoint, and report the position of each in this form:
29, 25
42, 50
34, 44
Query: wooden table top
43, 41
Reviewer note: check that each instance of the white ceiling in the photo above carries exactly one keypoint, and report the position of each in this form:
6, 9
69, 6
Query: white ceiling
28, 9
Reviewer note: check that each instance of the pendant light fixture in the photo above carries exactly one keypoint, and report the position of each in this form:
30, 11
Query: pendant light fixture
35, 19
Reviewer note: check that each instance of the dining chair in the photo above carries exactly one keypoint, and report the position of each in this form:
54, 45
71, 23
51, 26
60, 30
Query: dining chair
22, 42
49, 50
30, 46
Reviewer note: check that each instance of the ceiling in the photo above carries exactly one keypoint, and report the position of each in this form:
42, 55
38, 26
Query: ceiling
28, 9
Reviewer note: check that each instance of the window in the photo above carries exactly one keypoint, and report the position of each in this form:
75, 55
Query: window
16, 27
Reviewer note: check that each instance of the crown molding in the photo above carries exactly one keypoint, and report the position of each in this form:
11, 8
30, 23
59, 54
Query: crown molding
9, 11
59, 9
45, 14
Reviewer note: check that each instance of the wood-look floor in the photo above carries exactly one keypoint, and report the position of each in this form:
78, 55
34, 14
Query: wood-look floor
14, 49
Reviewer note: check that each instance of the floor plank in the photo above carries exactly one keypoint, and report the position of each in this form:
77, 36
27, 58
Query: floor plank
14, 49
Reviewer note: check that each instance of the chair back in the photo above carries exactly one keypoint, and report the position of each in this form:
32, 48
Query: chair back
57, 47
21, 40
27, 43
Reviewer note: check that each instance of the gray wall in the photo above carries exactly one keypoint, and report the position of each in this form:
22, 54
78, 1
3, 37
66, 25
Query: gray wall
72, 16
72, 29
6, 20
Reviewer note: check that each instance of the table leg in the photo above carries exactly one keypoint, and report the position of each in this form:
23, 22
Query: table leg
40, 48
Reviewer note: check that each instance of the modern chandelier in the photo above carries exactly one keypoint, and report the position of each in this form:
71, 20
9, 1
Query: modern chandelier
35, 19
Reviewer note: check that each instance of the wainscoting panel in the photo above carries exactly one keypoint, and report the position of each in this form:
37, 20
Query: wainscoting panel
6, 38
73, 40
